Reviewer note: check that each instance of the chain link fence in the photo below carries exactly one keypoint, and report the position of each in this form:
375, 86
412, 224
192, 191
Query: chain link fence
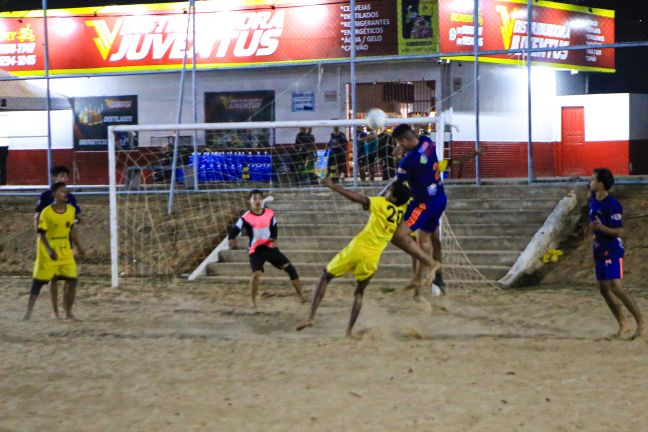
533, 100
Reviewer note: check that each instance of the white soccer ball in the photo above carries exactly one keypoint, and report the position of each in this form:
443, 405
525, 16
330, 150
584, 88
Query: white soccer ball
376, 119
436, 291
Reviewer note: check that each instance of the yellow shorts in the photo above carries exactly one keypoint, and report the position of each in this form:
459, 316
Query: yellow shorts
46, 269
362, 266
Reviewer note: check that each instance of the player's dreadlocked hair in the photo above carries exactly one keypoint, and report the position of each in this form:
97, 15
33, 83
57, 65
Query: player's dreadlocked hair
401, 193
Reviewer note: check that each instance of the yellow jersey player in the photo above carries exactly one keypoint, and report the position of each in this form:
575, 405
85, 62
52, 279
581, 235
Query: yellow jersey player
362, 255
54, 255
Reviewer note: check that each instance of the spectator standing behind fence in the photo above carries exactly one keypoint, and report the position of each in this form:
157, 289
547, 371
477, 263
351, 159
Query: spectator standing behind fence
304, 157
385, 155
337, 161
370, 153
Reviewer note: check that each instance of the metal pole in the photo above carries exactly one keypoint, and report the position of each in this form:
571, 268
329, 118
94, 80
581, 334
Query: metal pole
353, 93
49, 98
114, 233
530, 132
477, 99
176, 140
192, 6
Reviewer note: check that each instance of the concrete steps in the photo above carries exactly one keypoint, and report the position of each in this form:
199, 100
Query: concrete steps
465, 216
281, 205
325, 228
337, 242
385, 270
389, 256
281, 281
454, 192
492, 224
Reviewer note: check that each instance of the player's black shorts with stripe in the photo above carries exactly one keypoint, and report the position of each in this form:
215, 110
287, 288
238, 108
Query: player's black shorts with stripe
272, 255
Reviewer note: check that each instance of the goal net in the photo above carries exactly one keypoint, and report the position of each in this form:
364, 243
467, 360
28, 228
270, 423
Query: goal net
171, 204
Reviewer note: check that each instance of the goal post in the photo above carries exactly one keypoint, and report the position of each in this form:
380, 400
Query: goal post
118, 166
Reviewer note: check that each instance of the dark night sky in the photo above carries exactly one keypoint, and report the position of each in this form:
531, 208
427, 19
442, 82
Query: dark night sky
631, 26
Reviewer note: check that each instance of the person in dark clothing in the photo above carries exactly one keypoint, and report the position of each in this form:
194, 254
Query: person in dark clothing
337, 161
304, 155
386, 158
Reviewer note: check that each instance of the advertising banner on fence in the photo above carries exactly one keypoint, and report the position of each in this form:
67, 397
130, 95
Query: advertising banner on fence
418, 30
242, 106
93, 115
503, 25
154, 36
228, 33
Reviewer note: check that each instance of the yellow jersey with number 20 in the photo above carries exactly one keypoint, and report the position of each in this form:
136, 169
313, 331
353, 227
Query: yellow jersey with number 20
362, 254
380, 228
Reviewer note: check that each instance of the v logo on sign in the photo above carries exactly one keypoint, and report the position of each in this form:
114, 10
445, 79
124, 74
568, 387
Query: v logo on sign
507, 25
106, 36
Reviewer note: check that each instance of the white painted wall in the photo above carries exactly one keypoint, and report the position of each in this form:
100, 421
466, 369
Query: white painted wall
503, 103
607, 116
158, 94
27, 130
503, 98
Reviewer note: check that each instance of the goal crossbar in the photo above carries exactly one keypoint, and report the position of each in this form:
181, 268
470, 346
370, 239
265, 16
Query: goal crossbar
268, 124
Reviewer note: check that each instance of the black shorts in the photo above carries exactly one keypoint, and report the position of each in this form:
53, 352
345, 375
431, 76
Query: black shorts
272, 255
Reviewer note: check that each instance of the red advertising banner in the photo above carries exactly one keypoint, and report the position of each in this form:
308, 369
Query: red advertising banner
503, 25
228, 33
253, 32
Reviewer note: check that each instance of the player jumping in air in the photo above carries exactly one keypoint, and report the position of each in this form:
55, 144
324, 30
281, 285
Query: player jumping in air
54, 252
362, 255
420, 169
260, 225
606, 216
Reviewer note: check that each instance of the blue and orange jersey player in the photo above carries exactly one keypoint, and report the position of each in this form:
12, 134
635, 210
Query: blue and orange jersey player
606, 222
420, 169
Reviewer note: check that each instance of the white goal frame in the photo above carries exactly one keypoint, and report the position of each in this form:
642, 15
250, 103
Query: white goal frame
112, 160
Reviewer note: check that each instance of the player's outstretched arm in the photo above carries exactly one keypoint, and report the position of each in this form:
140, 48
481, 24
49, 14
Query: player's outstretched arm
348, 194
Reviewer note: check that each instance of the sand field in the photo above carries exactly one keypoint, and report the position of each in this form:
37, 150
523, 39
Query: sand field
196, 357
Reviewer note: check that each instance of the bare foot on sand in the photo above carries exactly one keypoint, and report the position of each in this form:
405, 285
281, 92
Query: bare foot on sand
430, 274
641, 328
303, 299
70, 316
302, 326
623, 329
423, 303
412, 284
350, 335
